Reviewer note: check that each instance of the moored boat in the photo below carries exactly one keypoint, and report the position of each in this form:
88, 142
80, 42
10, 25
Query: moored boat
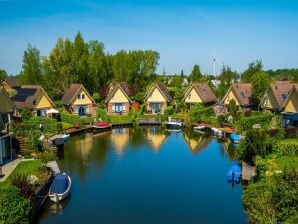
60, 187
235, 138
199, 128
100, 125
234, 174
173, 124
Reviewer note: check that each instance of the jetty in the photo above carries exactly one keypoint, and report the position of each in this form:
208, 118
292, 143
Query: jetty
53, 165
122, 125
248, 171
149, 121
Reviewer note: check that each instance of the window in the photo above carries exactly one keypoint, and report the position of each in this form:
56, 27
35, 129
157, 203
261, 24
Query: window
34, 102
83, 96
242, 94
283, 96
118, 107
79, 96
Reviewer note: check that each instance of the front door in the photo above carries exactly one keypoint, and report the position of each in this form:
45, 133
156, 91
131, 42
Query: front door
81, 111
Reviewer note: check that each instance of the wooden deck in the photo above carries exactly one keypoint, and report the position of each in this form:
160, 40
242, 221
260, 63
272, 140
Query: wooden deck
122, 125
248, 171
149, 122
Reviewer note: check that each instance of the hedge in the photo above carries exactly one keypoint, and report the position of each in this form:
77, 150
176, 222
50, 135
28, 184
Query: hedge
49, 125
287, 147
75, 119
246, 123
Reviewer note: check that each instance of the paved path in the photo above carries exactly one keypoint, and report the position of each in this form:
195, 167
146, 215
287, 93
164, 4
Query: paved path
54, 166
9, 167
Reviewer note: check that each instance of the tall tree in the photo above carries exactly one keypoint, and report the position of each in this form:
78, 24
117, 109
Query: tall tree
31, 69
260, 83
226, 78
253, 68
3, 74
196, 75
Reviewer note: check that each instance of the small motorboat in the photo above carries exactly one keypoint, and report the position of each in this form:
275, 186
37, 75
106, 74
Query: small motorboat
235, 138
100, 125
217, 132
173, 124
65, 137
60, 187
234, 174
199, 128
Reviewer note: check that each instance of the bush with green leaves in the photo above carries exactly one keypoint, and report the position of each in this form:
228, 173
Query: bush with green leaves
26, 114
287, 147
255, 143
139, 97
33, 142
198, 112
102, 114
69, 118
21, 181
232, 107
13, 207
47, 156
49, 124
246, 123
169, 110
273, 199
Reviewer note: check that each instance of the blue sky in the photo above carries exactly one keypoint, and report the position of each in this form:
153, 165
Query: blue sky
183, 32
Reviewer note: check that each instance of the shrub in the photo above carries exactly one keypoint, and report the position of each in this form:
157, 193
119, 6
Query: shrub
232, 107
246, 123
139, 97
47, 156
96, 97
287, 147
34, 143
256, 143
49, 124
59, 127
21, 181
198, 111
69, 118
58, 104
181, 106
169, 110
102, 114
26, 114
13, 207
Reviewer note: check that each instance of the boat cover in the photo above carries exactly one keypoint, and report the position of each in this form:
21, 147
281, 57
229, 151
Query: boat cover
234, 136
60, 184
234, 173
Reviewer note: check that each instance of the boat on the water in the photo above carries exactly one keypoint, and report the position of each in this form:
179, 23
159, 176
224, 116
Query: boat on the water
100, 125
217, 132
235, 138
65, 137
60, 187
173, 123
199, 128
234, 174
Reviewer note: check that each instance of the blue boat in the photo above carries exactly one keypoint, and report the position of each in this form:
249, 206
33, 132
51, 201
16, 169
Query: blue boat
235, 138
60, 187
234, 174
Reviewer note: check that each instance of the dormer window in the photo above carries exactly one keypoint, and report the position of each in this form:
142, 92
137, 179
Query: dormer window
34, 102
79, 96
83, 96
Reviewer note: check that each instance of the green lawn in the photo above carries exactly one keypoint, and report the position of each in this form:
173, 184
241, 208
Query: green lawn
24, 167
119, 118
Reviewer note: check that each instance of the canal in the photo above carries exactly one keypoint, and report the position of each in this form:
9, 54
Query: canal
147, 175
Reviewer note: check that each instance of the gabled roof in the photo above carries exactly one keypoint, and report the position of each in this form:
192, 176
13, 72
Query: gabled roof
163, 90
242, 92
203, 90
6, 105
12, 82
72, 92
123, 86
281, 91
26, 95
291, 92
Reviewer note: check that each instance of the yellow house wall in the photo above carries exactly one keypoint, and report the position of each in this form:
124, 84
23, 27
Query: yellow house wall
156, 96
267, 104
119, 97
85, 101
229, 97
42, 101
194, 97
292, 105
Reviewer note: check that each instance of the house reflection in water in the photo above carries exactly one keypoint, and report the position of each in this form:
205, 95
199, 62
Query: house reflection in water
231, 150
196, 142
119, 138
84, 147
156, 137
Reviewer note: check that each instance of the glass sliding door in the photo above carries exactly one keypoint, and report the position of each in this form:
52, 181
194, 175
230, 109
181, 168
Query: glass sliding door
6, 152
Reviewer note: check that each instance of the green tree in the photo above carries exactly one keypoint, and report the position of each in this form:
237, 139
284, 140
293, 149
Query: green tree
254, 67
226, 78
232, 108
3, 74
26, 114
260, 83
196, 75
31, 69
176, 81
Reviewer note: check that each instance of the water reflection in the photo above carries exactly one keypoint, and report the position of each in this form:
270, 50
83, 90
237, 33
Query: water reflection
230, 150
156, 137
196, 141
119, 138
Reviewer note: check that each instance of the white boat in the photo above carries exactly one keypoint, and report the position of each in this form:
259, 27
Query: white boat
217, 132
65, 136
173, 123
60, 187
199, 127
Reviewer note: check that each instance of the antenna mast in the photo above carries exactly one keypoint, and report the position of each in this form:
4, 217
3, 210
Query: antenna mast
214, 64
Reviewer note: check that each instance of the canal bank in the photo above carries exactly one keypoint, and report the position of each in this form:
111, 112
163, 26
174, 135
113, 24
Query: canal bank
146, 175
